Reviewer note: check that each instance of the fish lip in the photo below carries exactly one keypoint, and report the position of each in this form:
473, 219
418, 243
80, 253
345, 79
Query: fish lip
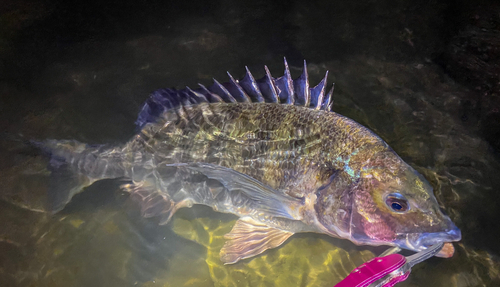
421, 241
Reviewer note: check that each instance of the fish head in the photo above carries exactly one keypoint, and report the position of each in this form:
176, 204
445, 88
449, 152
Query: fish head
389, 203
392, 204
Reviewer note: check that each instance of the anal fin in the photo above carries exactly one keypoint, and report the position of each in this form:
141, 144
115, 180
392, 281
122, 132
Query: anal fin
153, 202
249, 238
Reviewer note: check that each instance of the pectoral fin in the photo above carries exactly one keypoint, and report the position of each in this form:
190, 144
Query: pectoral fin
243, 188
249, 238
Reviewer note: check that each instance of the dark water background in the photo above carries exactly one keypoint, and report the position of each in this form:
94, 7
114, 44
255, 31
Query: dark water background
424, 75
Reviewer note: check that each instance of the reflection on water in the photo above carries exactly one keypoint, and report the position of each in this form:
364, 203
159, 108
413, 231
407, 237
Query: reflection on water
117, 249
100, 239
93, 94
305, 259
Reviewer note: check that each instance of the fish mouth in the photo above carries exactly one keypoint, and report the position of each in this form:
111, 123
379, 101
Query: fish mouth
421, 241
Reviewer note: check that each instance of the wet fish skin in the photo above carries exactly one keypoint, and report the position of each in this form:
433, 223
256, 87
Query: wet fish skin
282, 168
297, 150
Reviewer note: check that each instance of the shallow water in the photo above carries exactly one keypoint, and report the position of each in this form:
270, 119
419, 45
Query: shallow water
88, 84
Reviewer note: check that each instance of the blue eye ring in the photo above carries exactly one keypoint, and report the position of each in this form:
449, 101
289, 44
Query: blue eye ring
397, 203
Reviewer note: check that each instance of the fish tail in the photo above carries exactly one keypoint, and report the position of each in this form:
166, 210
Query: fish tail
74, 165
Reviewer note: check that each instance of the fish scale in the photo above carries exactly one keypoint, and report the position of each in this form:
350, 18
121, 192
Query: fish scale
224, 146
270, 151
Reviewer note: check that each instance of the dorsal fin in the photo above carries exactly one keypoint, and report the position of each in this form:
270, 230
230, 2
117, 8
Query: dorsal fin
328, 100
249, 84
268, 88
220, 90
301, 86
236, 90
318, 93
282, 90
285, 87
211, 97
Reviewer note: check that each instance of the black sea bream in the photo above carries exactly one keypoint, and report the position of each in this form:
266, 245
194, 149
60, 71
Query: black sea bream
270, 151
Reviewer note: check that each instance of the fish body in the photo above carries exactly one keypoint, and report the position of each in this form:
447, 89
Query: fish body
270, 151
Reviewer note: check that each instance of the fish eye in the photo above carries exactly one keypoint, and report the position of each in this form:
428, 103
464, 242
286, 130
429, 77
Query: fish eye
397, 203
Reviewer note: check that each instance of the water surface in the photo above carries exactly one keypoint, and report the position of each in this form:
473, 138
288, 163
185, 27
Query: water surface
88, 80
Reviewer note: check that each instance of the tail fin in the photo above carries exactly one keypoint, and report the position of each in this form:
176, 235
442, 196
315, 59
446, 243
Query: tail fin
64, 184
40, 176
66, 178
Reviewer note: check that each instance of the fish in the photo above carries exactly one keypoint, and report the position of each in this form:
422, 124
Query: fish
270, 151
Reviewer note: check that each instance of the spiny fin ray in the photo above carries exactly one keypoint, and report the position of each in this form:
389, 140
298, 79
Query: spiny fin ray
318, 93
236, 90
282, 90
285, 87
220, 90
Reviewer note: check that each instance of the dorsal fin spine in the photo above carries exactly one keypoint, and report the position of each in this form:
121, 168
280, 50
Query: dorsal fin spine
242, 92
301, 87
214, 97
272, 86
319, 93
225, 93
307, 91
289, 85
328, 101
251, 87
198, 95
